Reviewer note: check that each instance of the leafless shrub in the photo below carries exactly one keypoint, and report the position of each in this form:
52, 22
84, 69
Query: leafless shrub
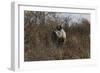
38, 42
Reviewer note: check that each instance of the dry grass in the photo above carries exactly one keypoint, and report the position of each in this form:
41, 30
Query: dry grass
39, 45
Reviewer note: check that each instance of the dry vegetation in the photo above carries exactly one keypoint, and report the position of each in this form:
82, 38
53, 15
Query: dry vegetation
39, 45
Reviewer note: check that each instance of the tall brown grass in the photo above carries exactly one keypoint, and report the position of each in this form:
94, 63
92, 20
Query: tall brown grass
38, 43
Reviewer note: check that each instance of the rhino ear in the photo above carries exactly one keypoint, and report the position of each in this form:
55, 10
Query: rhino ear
62, 25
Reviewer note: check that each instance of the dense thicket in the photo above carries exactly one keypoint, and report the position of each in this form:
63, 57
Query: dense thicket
38, 45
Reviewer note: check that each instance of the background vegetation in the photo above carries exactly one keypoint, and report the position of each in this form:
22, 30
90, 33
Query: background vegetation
38, 43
